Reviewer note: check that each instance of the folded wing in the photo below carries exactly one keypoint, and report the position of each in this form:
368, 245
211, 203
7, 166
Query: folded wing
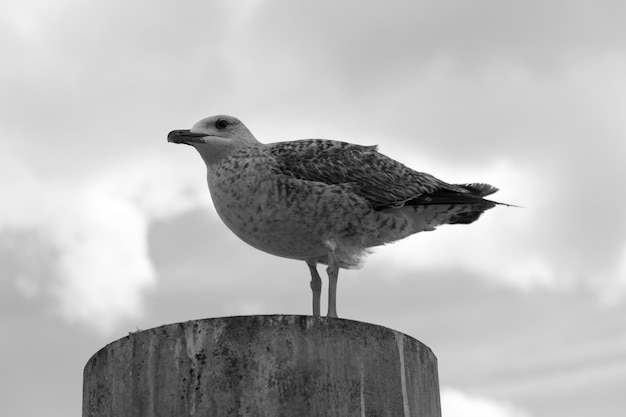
382, 181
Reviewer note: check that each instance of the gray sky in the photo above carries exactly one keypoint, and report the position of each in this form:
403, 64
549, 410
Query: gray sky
105, 228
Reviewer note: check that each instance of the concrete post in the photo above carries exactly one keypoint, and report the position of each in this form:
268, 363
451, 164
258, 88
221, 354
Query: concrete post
296, 366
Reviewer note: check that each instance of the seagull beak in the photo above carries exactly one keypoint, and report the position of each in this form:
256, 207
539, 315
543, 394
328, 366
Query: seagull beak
185, 136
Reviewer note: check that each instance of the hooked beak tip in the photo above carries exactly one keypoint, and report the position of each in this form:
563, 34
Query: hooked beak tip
184, 136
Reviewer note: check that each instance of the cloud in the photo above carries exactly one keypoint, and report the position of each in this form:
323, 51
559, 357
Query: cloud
89, 236
496, 247
473, 98
455, 403
552, 146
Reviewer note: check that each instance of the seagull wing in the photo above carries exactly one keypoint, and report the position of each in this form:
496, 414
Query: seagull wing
382, 181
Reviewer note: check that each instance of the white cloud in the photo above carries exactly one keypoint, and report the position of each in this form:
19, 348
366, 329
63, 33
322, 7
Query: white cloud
496, 247
455, 403
98, 230
104, 265
510, 100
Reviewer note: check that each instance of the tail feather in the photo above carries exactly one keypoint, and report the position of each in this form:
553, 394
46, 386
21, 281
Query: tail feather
469, 205
461, 194
457, 204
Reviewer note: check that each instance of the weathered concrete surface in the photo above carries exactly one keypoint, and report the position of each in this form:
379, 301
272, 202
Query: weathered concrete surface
294, 366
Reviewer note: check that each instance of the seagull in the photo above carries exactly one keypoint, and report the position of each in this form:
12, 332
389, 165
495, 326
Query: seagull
322, 201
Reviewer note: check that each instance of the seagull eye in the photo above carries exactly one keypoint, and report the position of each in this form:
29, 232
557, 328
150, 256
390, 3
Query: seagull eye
221, 124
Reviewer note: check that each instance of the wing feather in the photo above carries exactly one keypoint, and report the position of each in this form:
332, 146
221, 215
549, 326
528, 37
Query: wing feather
381, 180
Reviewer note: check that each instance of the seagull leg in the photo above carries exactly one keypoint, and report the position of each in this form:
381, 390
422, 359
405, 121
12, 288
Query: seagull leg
316, 287
333, 274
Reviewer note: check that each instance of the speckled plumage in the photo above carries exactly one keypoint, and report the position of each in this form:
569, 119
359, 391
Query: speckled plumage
322, 200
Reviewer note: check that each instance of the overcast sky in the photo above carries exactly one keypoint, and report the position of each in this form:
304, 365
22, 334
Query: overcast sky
106, 228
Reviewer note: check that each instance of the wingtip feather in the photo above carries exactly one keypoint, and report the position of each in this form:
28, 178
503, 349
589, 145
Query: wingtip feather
480, 189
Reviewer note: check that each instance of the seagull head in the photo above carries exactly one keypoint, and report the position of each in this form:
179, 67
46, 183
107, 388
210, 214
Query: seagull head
215, 137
